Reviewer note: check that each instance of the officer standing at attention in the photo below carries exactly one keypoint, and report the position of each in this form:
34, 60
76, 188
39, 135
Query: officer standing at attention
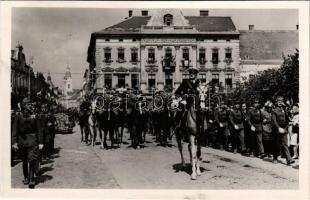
27, 137
255, 120
221, 117
236, 120
280, 121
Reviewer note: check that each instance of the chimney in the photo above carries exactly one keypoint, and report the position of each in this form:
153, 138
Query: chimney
297, 27
251, 27
129, 13
145, 13
204, 12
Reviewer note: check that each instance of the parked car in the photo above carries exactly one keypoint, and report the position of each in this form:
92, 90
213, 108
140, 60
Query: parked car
63, 123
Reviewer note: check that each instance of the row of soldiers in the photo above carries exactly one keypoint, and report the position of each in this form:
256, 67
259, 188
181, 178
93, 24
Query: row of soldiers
266, 130
33, 133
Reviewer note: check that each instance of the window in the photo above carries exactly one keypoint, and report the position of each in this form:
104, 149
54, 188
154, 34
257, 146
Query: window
121, 40
151, 55
202, 56
135, 81
215, 56
228, 80
108, 81
107, 54
185, 76
214, 40
107, 40
121, 54
228, 40
185, 54
215, 79
168, 53
121, 81
169, 81
151, 81
134, 55
228, 53
168, 19
202, 78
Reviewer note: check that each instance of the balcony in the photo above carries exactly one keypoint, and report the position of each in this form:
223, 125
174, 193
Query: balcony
107, 61
228, 61
134, 62
202, 62
151, 61
120, 60
168, 64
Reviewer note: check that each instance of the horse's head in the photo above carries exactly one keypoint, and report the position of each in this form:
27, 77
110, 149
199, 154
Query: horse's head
93, 106
202, 92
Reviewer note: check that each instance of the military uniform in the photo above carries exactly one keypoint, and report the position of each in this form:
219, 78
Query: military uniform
27, 133
221, 118
254, 118
267, 131
280, 119
236, 119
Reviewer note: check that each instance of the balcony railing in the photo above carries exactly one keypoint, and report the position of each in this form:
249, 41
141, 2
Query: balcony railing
185, 63
120, 60
151, 61
168, 64
108, 61
228, 61
134, 62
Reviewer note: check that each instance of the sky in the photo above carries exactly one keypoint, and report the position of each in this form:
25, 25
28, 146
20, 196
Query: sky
57, 37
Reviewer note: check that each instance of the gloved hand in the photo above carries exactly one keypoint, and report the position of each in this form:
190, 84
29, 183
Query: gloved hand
15, 146
236, 127
253, 128
41, 146
281, 130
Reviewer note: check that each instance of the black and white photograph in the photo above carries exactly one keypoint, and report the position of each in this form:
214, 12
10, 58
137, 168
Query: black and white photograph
137, 97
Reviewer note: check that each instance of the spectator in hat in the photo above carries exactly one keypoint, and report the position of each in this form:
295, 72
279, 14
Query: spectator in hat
280, 121
294, 131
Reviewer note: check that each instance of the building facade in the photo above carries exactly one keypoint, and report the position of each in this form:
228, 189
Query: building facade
24, 81
147, 52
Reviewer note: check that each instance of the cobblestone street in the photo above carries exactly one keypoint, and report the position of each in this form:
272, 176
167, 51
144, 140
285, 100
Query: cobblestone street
76, 165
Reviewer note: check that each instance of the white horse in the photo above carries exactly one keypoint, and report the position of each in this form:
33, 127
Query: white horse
93, 122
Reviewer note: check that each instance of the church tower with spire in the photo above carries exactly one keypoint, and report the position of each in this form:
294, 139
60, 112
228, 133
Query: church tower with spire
67, 82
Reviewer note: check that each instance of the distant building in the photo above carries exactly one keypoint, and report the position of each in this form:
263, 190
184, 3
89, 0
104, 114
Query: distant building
156, 51
261, 50
70, 97
67, 88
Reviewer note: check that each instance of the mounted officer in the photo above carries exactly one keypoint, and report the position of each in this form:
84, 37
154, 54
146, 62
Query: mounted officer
185, 94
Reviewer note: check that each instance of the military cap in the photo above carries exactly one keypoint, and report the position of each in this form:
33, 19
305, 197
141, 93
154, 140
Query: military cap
193, 71
279, 98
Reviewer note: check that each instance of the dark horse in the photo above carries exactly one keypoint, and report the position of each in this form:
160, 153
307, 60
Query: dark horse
162, 118
107, 117
137, 118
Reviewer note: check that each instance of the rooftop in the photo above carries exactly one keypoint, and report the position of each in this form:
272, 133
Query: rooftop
265, 45
201, 23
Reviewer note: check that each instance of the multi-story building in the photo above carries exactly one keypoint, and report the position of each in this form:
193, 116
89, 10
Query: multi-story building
156, 51
264, 49
24, 81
